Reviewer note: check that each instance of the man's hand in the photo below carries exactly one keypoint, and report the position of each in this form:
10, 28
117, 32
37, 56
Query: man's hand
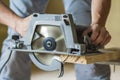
22, 25
99, 36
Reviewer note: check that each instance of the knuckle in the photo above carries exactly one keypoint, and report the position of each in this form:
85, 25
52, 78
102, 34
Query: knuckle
101, 38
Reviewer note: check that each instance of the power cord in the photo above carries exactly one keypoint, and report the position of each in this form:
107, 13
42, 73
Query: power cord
15, 38
6, 61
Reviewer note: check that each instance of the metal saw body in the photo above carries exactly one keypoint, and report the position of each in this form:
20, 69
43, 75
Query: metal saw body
50, 35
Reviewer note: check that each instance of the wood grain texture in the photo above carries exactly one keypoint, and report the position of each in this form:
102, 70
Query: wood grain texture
105, 56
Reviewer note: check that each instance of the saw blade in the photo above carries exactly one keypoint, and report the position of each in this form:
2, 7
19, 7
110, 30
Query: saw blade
45, 32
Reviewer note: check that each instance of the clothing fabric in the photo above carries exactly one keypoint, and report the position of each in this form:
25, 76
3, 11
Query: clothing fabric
19, 65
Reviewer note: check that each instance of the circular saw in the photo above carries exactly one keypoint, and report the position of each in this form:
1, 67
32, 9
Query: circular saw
48, 36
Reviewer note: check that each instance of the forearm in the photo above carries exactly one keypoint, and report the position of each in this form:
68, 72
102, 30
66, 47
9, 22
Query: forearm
100, 10
7, 16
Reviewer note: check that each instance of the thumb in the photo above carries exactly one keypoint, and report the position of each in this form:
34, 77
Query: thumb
88, 30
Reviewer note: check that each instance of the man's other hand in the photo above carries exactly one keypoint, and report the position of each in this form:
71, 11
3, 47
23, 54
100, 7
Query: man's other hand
99, 36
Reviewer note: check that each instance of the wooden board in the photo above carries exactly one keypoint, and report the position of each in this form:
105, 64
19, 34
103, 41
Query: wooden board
106, 55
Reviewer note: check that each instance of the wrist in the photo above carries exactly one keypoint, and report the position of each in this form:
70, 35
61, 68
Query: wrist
97, 24
99, 21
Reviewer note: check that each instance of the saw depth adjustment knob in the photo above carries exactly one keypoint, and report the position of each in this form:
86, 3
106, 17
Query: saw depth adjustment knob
49, 44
